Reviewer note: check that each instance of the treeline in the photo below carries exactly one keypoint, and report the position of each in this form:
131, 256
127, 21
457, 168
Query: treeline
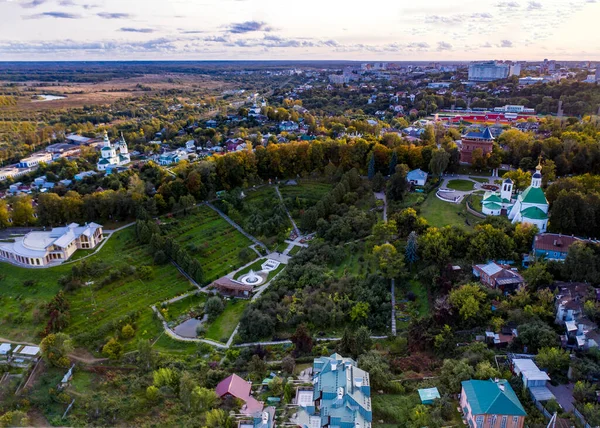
575, 206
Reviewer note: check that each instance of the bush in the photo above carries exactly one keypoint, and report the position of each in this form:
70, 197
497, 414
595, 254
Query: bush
145, 272
127, 331
214, 307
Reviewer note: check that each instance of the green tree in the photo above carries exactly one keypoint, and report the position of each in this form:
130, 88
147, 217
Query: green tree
484, 371
412, 245
390, 265
257, 366
445, 342
165, 377
469, 299
276, 386
534, 336
127, 331
435, 246
378, 369
113, 349
537, 276
4, 214
490, 243
302, 340
454, 372
397, 186
439, 162
55, 349
14, 418
217, 418
203, 399
520, 178
555, 360
359, 312
23, 214
393, 163
152, 393
214, 307
371, 168
145, 355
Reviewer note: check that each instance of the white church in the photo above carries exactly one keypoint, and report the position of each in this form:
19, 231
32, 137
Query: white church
113, 155
531, 206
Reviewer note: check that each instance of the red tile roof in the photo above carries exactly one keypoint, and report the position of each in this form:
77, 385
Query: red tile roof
239, 388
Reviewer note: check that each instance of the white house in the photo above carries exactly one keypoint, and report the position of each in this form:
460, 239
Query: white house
417, 177
190, 146
169, 158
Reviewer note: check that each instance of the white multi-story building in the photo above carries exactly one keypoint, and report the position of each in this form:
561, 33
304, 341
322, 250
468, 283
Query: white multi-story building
514, 109
35, 159
488, 71
113, 155
37, 249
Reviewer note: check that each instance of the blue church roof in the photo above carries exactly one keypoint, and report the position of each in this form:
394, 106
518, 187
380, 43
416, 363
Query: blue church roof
485, 135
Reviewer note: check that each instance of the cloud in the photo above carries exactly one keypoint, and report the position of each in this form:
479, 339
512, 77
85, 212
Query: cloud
136, 30
506, 44
248, 27
114, 15
444, 46
445, 20
508, 5
72, 46
59, 15
192, 31
33, 3
534, 5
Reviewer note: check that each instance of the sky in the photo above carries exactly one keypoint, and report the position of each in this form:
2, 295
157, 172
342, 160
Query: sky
375, 30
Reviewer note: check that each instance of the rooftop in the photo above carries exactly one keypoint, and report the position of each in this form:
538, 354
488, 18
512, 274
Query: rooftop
492, 397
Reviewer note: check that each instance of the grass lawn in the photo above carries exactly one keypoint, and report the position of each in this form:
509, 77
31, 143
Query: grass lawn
303, 195
19, 302
476, 202
183, 306
256, 266
295, 250
222, 327
439, 213
422, 299
210, 239
96, 307
480, 179
356, 263
462, 185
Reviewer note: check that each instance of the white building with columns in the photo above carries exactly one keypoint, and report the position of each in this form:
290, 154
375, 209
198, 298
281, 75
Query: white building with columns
38, 249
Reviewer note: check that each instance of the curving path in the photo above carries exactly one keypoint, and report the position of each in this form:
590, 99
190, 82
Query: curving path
296, 230
237, 226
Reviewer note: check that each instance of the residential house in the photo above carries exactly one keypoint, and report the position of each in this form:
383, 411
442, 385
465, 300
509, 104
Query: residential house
236, 387
498, 276
491, 403
580, 331
288, 126
341, 396
553, 246
190, 146
534, 379
417, 177
82, 175
264, 419
169, 158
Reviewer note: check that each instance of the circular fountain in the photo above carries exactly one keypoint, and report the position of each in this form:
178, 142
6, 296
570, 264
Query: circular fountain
251, 278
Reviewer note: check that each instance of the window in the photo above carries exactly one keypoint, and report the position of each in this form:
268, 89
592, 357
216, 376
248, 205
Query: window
494, 419
503, 423
515, 421
479, 421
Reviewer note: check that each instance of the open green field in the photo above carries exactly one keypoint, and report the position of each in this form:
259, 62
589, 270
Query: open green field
303, 195
462, 185
393, 409
439, 213
210, 239
21, 307
222, 327
476, 202
94, 308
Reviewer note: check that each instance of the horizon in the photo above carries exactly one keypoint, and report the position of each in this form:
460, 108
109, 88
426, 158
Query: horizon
265, 30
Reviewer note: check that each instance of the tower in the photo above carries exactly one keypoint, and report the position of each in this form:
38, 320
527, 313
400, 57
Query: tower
123, 146
536, 180
507, 189
106, 140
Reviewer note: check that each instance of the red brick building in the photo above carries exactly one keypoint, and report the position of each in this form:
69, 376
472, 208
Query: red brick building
476, 140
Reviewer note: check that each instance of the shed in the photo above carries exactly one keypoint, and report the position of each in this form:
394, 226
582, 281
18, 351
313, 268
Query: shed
4, 348
417, 177
428, 395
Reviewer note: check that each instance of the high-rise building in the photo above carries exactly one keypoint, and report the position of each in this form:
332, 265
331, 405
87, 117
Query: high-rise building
489, 71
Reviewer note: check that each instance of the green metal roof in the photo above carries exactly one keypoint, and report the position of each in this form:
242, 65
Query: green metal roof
534, 195
487, 397
493, 198
492, 206
534, 213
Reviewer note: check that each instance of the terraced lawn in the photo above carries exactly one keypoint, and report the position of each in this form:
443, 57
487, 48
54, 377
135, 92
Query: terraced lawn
303, 195
210, 239
96, 308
